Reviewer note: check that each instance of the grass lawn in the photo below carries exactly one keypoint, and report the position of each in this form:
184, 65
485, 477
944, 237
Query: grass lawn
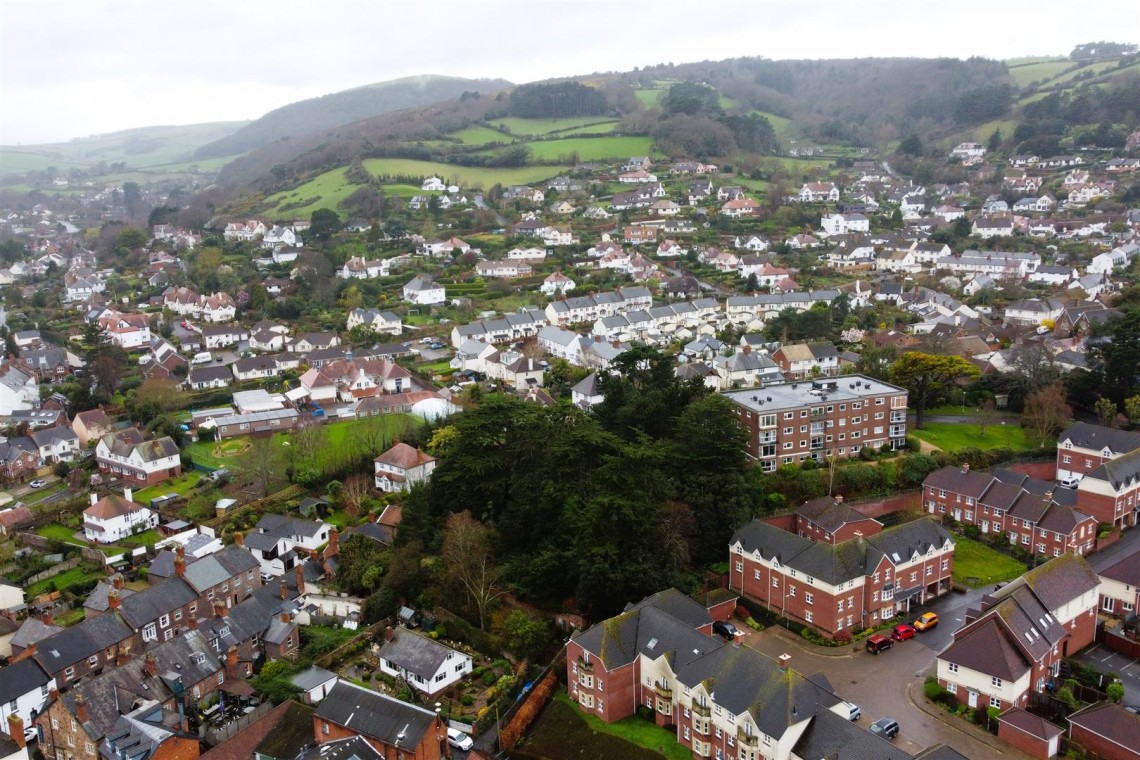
63, 580
464, 176
404, 191
323, 191
57, 532
339, 438
973, 559
590, 148
564, 733
649, 98
181, 485
519, 126
952, 436
480, 136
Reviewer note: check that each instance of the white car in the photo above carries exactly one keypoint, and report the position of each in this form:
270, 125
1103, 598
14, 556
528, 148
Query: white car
459, 740
1069, 482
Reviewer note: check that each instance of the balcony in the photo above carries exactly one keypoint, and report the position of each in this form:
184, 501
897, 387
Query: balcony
704, 711
746, 739
662, 691
584, 666
898, 416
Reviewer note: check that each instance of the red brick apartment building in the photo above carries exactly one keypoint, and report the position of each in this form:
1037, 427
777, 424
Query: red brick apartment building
724, 700
1083, 448
1039, 516
844, 586
1013, 645
791, 422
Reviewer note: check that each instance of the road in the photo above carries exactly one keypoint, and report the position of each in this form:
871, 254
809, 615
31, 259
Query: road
482, 204
707, 287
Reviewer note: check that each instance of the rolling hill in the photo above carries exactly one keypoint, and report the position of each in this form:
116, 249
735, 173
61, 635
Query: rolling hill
340, 108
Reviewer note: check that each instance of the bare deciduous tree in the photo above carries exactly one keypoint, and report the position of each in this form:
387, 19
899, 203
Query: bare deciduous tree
260, 464
353, 493
1046, 411
469, 563
987, 413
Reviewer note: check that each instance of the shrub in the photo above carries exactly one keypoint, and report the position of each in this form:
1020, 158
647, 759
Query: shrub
1115, 691
751, 623
489, 678
843, 637
467, 700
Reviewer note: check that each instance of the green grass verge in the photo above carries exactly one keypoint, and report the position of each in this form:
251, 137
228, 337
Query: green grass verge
978, 565
563, 732
464, 176
952, 436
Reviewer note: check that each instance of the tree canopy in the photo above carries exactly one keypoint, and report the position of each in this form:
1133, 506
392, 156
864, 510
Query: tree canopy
928, 378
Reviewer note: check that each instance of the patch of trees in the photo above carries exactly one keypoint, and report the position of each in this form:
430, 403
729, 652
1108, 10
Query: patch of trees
983, 103
556, 101
694, 124
1110, 108
605, 507
1091, 51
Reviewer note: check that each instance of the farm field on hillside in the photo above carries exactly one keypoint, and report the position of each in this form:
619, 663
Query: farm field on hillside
591, 148
785, 129
477, 177
480, 136
1035, 72
546, 126
1007, 126
323, 191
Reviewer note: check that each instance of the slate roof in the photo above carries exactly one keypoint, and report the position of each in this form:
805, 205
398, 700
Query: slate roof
1098, 437
832, 736
352, 748
678, 605
206, 573
97, 599
956, 480
1034, 725
829, 513
148, 605
415, 653
287, 527
1120, 472
987, 650
32, 631
645, 630
244, 743
1061, 580
312, 678
375, 715
1110, 721
20, 678
77, 643
1126, 570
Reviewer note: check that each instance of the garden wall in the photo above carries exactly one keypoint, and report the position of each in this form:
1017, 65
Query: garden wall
1042, 470
527, 710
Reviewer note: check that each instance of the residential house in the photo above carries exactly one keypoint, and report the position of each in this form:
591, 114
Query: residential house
18, 390
1111, 492
113, 518
829, 520
19, 459
127, 455
281, 236
818, 192
248, 423
223, 336
1033, 311
421, 661
390, 727
24, 693
1084, 447
422, 291
804, 360
201, 378
219, 307
382, 322
844, 224
126, 331
244, 231
401, 467
255, 367
790, 422
745, 368
47, 364
858, 582
556, 283
988, 227
1014, 643
56, 444
1120, 587
357, 267
275, 541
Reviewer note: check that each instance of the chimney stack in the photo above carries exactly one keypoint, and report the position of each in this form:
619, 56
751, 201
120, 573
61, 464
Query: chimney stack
231, 662
859, 537
94, 499
839, 498
180, 551
1049, 495
389, 633
746, 349
239, 538
81, 713
124, 655
117, 581
965, 468
219, 609
284, 590
151, 665
47, 618
16, 730
114, 601
192, 621
179, 566
285, 617
301, 577
334, 543
784, 660
127, 493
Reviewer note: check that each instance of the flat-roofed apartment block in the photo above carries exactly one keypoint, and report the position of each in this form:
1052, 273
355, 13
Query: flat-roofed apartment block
791, 422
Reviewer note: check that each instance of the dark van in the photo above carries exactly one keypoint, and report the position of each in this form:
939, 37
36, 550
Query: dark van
878, 643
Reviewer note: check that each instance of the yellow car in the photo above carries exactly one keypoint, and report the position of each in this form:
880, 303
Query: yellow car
926, 622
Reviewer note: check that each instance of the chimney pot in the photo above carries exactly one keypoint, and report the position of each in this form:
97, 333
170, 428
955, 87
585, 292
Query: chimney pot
301, 578
179, 551
839, 499
239, 538
123, 656
48, 618
965, 468
113, 599
219, 608
231, 662
127, 492
94, 499
284, 590
784, 659
117, 581
179, 566
151, 665
389, 633
284, 617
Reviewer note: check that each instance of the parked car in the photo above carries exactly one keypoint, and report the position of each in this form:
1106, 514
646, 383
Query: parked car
888, 727
926, 621
1070, 481
725, 629
902, 632
459, 740
37, 483
853, 711
878, 642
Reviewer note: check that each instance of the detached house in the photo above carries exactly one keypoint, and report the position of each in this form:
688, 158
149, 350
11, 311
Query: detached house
115, 517
818, 192
799, 361
57, 444
127, 455
423, 291
18, 391
401, 467
126, 331
423, 662
391, 727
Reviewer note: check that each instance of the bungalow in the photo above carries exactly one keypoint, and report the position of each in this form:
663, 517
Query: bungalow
556, 283
402, 467
421, 661
201, 378
357, 267
739, 207
502, 269
255, 367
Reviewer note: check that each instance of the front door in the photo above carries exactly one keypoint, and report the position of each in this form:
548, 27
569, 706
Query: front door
985, 526
958, 515
973, 698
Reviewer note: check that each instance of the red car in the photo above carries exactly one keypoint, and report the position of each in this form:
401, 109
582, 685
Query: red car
902, 632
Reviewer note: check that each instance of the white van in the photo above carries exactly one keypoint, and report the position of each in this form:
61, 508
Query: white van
204, 357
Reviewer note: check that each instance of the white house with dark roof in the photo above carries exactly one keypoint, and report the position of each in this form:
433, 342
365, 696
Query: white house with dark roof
115, 517
422, 291
18, 391
424, 663
401, 467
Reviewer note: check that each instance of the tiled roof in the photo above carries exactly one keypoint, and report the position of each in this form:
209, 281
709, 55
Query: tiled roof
987, 650
376, 716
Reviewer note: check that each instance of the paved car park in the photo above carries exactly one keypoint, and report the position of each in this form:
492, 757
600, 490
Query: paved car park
1107, 661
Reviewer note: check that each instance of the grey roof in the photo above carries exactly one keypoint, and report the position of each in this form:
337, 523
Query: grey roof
312, 678
278, 631
352, 748
206, 573
415, 653
683, 608
32, 631
236, 559
20, 678
1126, 570
1120, 472
830, 513
77, 643
288, 527
795, 395
153, 602
1098, 437
97, 599
835, 737
376, 715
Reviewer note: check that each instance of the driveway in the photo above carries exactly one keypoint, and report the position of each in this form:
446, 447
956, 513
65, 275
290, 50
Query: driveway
881, 684
1107, 661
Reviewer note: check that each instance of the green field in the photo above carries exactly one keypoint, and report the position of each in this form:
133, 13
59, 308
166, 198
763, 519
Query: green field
323, 191
480, 136
341, 438
975, 560
649, 98
1007, 127
465, 176
1037, 71
404, 191
784, 128
519, 126
590, 148
954, 436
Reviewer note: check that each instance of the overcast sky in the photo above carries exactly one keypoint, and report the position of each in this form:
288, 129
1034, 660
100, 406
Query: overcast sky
71, 69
